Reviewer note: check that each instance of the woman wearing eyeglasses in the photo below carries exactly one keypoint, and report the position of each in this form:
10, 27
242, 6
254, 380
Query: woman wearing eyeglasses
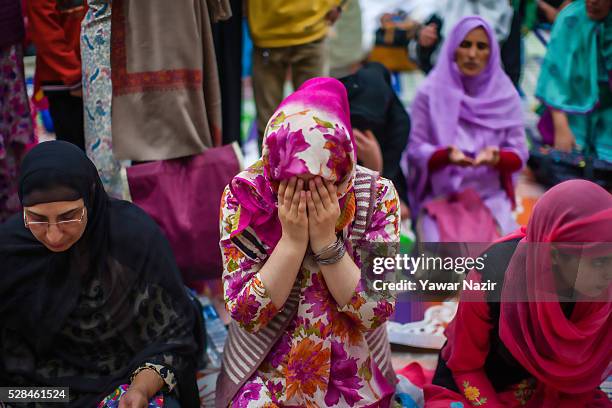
90, 295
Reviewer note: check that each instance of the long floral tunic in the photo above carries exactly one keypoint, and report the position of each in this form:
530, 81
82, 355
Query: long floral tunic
322, 359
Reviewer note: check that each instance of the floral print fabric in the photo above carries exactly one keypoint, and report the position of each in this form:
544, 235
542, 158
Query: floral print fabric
165, 373
112, 400
322, 359
16, 129
97, 94
477, 393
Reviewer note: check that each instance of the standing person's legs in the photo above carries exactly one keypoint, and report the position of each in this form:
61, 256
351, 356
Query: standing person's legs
227, 37
307, 61
269, 72
67, 114
511, 51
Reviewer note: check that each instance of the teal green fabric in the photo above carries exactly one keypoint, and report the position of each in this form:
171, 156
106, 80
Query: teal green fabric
579, 56
531, 15
575, 77
593, 132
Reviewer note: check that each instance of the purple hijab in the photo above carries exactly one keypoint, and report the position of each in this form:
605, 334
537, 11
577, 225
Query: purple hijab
488, 103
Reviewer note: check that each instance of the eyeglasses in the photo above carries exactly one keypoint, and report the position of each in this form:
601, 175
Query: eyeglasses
44, 225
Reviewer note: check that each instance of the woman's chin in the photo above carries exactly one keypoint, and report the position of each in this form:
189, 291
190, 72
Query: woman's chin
58, 248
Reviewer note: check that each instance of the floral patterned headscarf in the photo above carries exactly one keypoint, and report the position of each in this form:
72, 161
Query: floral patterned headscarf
310, 133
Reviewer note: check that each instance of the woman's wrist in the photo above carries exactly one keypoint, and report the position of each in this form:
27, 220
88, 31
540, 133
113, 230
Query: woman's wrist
318, 245
148, 382
291, 246
140, 389
560, 121
331, 254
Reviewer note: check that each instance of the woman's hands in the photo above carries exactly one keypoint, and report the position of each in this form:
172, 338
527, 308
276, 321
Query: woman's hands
292, 212
144, 386
549, 11
323, 213
564, 138
315, 224
489, 156
134, 397
308, 214
456, 156
428, 35
368, 150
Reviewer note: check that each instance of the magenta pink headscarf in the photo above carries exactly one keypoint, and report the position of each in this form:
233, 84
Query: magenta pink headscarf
569, 357
310, 133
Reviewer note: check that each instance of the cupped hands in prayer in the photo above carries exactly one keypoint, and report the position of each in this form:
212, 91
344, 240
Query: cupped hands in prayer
489, 156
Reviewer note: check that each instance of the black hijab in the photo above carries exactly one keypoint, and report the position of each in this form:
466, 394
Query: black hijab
87, 317
375, 106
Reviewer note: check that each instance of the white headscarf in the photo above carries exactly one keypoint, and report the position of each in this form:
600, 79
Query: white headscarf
498, 13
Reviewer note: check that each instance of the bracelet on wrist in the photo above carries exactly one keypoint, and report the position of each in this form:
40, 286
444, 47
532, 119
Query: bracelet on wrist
331, 254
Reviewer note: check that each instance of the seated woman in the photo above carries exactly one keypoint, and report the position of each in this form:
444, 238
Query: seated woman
90, 295
547, 344
380, 124
575, 83
466, 141
306, 329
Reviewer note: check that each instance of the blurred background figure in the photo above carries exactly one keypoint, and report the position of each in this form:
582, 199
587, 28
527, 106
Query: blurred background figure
445, 14
380, 123
166, 99
549, 9
287, 37
55, 28
344, 43
575, 82
228, 38
466, 141
16, 130
98, 94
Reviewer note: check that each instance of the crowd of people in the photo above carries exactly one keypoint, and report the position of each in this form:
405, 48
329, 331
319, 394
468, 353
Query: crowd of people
92, 297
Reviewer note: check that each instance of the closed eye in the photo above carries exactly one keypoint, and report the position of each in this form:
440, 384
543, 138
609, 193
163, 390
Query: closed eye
70, 215
36, 217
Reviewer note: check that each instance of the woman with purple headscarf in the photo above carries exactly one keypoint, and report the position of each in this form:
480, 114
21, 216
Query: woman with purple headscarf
467, 140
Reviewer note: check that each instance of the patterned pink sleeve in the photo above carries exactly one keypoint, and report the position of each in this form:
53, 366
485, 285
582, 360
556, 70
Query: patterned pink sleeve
246, 299
371, 307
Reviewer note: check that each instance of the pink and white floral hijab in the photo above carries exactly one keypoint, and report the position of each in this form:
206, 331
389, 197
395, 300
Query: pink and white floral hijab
310, 133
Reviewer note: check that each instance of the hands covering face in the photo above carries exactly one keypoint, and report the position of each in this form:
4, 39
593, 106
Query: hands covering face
308, 212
